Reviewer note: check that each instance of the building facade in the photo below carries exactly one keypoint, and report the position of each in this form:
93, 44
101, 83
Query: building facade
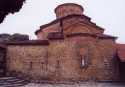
70, 48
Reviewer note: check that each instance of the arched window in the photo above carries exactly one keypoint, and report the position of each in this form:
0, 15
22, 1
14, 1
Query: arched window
83, 62
84, 58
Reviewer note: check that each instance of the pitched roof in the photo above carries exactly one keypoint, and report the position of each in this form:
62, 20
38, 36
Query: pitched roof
68, 17
121, 52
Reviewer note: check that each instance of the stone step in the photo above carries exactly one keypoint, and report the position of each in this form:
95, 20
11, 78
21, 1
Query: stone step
12, 85
4, 78
5, 82
16, 79
12, 82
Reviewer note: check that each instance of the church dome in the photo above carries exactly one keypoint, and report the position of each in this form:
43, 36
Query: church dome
68, 9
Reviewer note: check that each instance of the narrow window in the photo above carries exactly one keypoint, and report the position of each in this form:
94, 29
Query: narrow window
84, 58
83, 62
31, 66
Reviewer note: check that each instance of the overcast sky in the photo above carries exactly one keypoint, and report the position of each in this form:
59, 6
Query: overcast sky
109, 14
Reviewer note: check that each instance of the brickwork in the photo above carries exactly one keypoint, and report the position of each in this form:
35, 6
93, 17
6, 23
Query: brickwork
44, 32
61, 60
2, 60
68, 9
71, 48
27, 60
103, 64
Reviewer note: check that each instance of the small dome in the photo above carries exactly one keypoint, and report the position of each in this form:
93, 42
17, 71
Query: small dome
68, 9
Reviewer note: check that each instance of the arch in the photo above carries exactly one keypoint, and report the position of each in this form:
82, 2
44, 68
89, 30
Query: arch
77, 28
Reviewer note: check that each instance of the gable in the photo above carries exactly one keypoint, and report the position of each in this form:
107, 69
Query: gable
81, 27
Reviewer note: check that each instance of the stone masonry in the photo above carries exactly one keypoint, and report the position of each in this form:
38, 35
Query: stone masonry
70, 48
2, 60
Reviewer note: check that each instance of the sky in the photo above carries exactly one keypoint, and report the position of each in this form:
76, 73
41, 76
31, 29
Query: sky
109, 14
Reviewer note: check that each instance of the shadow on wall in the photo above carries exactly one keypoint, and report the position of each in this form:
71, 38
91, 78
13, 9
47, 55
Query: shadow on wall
2, 60
121, 69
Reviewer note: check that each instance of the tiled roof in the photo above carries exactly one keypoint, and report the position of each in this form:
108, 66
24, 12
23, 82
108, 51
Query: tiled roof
68, 17
121, 51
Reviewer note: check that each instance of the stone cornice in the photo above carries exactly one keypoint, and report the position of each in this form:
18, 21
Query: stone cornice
101, 36
28, 42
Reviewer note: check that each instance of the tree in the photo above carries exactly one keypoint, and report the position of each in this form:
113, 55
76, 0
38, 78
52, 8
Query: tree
9, 6
19, 37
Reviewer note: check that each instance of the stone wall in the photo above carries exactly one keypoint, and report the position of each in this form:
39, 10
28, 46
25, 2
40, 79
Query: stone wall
2, 60
71, 59
29, 60
54, 62
63, 54
108, 64
102, 64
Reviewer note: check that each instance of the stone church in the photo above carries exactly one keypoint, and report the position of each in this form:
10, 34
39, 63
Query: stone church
70, 48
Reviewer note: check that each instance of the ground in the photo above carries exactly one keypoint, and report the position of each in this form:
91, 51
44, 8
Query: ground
77, 85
